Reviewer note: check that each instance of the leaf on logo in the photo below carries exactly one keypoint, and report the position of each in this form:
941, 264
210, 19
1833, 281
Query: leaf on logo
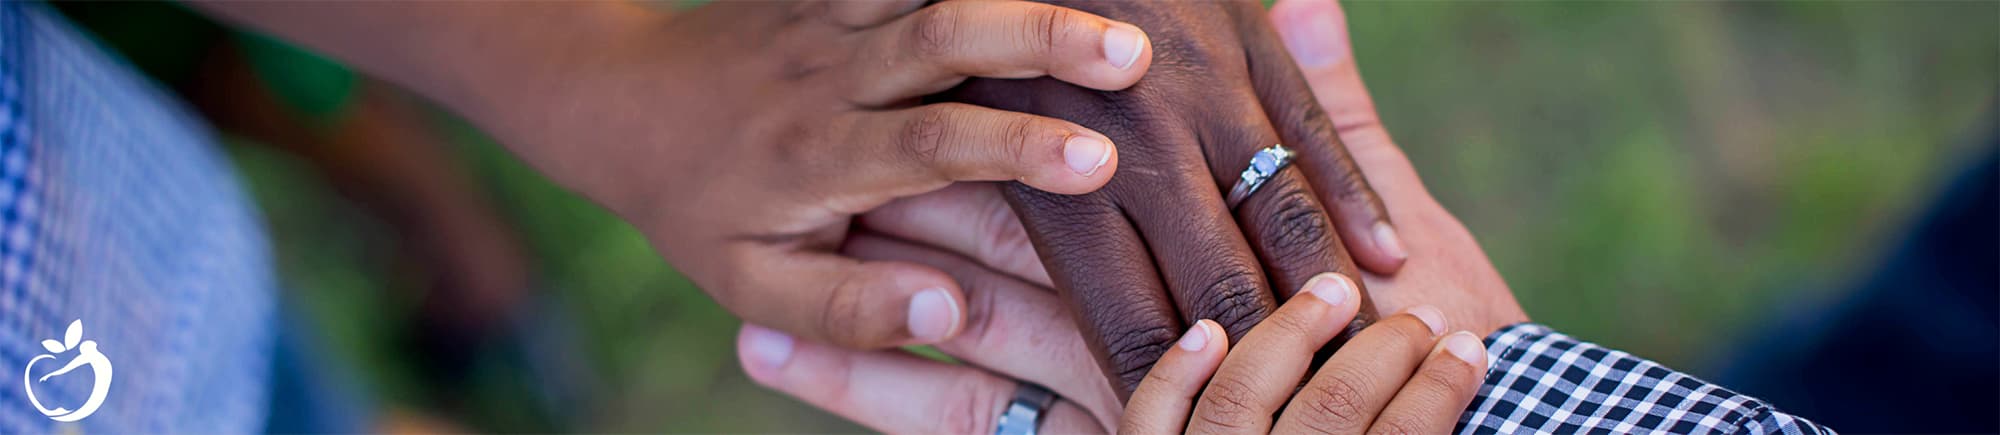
52, 346
74, 334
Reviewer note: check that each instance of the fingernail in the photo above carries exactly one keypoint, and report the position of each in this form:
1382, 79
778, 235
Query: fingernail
1122, 45
767, 348
1431, 317
1463, 345
932, 315
1196, 338
1333, 288
1085, 154
1385, 238
1313, 34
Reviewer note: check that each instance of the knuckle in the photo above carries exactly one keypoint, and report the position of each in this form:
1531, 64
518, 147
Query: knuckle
1294, 225
1313, 126
923, 135
982, 322
1230, 402
1132, 352
934, 32
1024, 134
1236, 300
1406, 332
1350, 186
1043, 26
1447, 374
1294, 325
1004, 237
1158, 377
975, 410
1396, 424
1333, 403
1354, 188
839, 318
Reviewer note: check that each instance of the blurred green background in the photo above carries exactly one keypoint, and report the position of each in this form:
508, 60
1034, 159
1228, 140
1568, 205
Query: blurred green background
1657, 177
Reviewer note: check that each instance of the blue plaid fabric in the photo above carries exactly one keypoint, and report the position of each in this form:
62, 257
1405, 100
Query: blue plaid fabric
117, 209
1541, 381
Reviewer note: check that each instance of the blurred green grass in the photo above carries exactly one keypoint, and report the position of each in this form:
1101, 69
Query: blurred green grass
1658, 177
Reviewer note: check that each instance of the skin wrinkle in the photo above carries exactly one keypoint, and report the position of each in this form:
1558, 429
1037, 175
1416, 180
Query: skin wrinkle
977, 413
839, 315
1333, 403
1236, 299
1003, 236
1139, 348
1295, 231
1229, 403
981, 313
1126, 329
1181, 146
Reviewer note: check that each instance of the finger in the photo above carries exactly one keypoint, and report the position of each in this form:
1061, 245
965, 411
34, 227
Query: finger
939, 46
1358, 213
1433, 399
1315, 32
846, 302
890, 391
1164, 399
1354, 386
1208, 266
920, 149
1265, 369
1011, 326
968, 219
865, 13
1103, 271
1286, 225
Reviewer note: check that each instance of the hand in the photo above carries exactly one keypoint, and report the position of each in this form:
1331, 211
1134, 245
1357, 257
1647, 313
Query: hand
1015, 332
1401, 375
740, 137
798, 122
1158, 248
1020, 332
1447, 269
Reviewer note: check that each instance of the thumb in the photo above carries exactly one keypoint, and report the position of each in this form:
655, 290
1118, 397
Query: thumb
1315, 32
846, 302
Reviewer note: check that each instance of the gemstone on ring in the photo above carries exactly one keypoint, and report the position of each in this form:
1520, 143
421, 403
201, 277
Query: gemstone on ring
1265, 162
1263, 165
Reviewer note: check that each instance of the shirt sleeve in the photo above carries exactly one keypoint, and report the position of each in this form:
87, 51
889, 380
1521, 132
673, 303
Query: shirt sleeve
1541, 381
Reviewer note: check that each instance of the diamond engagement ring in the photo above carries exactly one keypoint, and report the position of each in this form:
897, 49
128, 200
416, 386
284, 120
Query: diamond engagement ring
1023, 415
1263, 166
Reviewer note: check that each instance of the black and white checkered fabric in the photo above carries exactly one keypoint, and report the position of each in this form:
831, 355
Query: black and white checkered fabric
1541, 381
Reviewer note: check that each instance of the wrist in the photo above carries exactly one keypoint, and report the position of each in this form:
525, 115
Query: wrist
554, 97
514, 68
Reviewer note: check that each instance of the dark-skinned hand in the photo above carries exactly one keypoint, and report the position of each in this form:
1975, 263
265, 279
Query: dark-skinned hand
1157, 249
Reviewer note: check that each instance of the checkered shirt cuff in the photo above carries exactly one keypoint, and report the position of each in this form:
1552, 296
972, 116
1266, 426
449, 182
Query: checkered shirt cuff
1541, 381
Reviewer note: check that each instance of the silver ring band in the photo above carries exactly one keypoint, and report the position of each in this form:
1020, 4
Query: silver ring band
1023, 415
1263, 166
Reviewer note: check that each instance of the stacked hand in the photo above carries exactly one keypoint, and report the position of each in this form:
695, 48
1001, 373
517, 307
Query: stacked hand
1402, 375
1162, 245
743, 137
1018, 331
